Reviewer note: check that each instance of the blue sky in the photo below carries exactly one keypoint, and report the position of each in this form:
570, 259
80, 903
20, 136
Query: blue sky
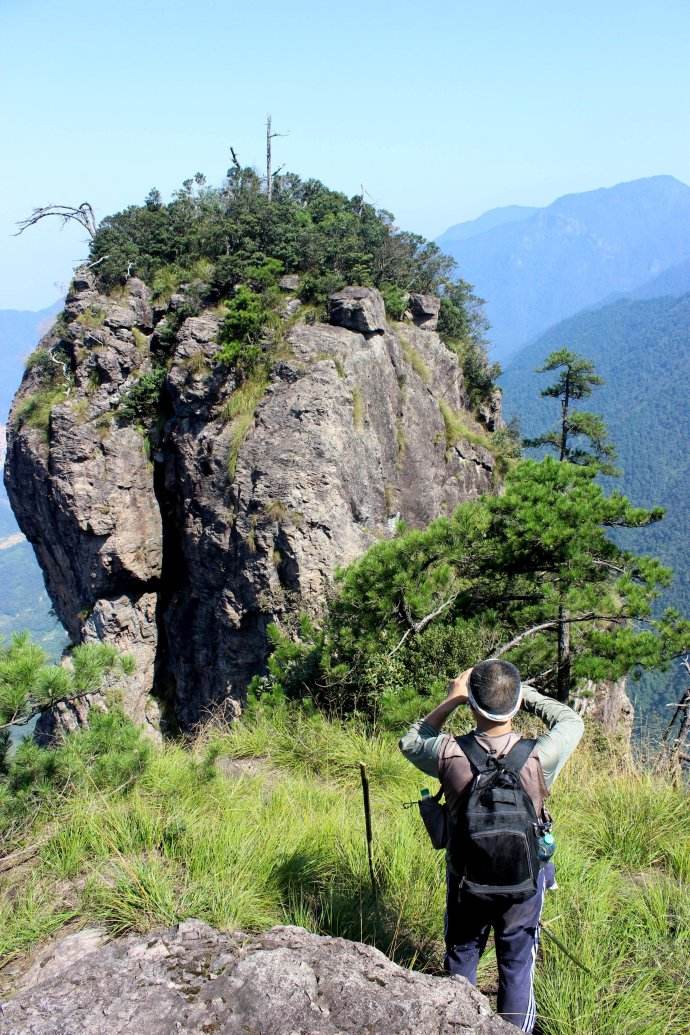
441, 111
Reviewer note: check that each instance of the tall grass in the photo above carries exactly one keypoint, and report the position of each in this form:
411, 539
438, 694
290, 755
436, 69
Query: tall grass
286, 845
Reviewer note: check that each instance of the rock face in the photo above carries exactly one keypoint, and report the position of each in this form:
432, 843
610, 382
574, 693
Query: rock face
180, 546
425, 310
608, 703
359, 309
192, 979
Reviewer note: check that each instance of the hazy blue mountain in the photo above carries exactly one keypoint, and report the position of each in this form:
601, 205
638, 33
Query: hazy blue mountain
642, 350
575, 253
494, 217
674, 282
19, 332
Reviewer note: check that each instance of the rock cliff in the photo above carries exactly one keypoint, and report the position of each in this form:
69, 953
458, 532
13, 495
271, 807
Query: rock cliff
180, 535
192, 979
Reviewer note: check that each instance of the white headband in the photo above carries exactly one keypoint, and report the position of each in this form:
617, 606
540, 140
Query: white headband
491, 716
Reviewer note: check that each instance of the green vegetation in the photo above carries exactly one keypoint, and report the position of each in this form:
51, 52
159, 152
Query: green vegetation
29, 684
239, 409
580, 437
459, 426
133, 836
35, 409
52, 384
415, 360
419, 607
227, 247
463, 327
395, 301
141, 402
92, 318
234, 229
641, 350
357, 408
140, 339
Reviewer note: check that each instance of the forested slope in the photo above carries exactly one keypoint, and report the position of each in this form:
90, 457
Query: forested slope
641, 348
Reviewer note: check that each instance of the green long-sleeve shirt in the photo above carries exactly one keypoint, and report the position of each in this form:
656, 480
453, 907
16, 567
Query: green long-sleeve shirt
422, 743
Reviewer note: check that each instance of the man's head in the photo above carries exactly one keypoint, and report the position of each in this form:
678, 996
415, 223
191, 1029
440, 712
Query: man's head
494, 690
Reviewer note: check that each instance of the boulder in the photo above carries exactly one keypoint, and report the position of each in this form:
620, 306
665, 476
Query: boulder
289, 282
359, 309
192, 979
425, 310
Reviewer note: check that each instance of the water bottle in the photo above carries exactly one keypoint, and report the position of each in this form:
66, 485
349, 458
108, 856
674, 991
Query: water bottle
546, 846
425, 792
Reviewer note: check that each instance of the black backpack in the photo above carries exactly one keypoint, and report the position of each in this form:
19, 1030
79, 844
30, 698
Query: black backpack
493, 842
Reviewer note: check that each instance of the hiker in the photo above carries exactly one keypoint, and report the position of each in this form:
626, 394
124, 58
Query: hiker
494, 694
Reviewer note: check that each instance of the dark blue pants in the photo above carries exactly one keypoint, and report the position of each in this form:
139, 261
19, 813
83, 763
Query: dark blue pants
516, 936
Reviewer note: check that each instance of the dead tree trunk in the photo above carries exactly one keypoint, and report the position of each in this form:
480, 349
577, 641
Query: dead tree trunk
269, 175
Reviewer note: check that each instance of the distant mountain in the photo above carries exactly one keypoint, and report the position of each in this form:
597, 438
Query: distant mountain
642, 350
494, 217
674, 281
575, 253
19, 332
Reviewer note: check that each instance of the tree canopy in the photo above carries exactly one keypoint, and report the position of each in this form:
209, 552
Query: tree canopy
330, 239
580, 437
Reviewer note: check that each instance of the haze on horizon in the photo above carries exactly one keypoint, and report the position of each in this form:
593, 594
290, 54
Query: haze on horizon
441, 117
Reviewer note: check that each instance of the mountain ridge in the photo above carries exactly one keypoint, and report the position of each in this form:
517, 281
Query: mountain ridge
574, 253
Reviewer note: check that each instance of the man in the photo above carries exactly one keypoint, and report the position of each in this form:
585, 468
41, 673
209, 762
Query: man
494, 693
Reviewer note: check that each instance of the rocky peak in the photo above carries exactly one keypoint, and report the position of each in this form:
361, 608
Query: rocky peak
177, 510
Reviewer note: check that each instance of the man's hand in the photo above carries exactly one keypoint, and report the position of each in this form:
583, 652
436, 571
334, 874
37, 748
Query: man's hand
457, 695
457, 688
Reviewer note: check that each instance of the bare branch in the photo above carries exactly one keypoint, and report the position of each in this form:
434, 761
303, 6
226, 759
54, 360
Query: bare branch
416, 627
235, 160
82, 214
92, 264
592, 617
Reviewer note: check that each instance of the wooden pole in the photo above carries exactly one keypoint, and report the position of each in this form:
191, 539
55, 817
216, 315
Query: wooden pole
563, 949
367, 822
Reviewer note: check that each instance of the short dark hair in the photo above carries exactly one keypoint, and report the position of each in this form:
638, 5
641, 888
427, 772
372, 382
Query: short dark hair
495, 686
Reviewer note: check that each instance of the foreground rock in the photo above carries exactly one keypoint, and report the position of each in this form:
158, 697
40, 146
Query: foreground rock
181, 533
193, 980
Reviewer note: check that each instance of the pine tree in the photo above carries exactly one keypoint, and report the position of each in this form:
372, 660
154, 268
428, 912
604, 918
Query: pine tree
577, 379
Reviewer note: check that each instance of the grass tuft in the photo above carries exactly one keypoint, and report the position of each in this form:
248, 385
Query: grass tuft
416, 362
357, 409
239, 409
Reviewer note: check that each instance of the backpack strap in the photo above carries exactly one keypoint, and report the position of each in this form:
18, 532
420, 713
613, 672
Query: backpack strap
518, 755
476, 755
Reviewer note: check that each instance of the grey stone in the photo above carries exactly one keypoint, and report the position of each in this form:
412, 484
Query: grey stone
359, 309
489, 411
290, 282
607, 702
193, 979
425, 310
